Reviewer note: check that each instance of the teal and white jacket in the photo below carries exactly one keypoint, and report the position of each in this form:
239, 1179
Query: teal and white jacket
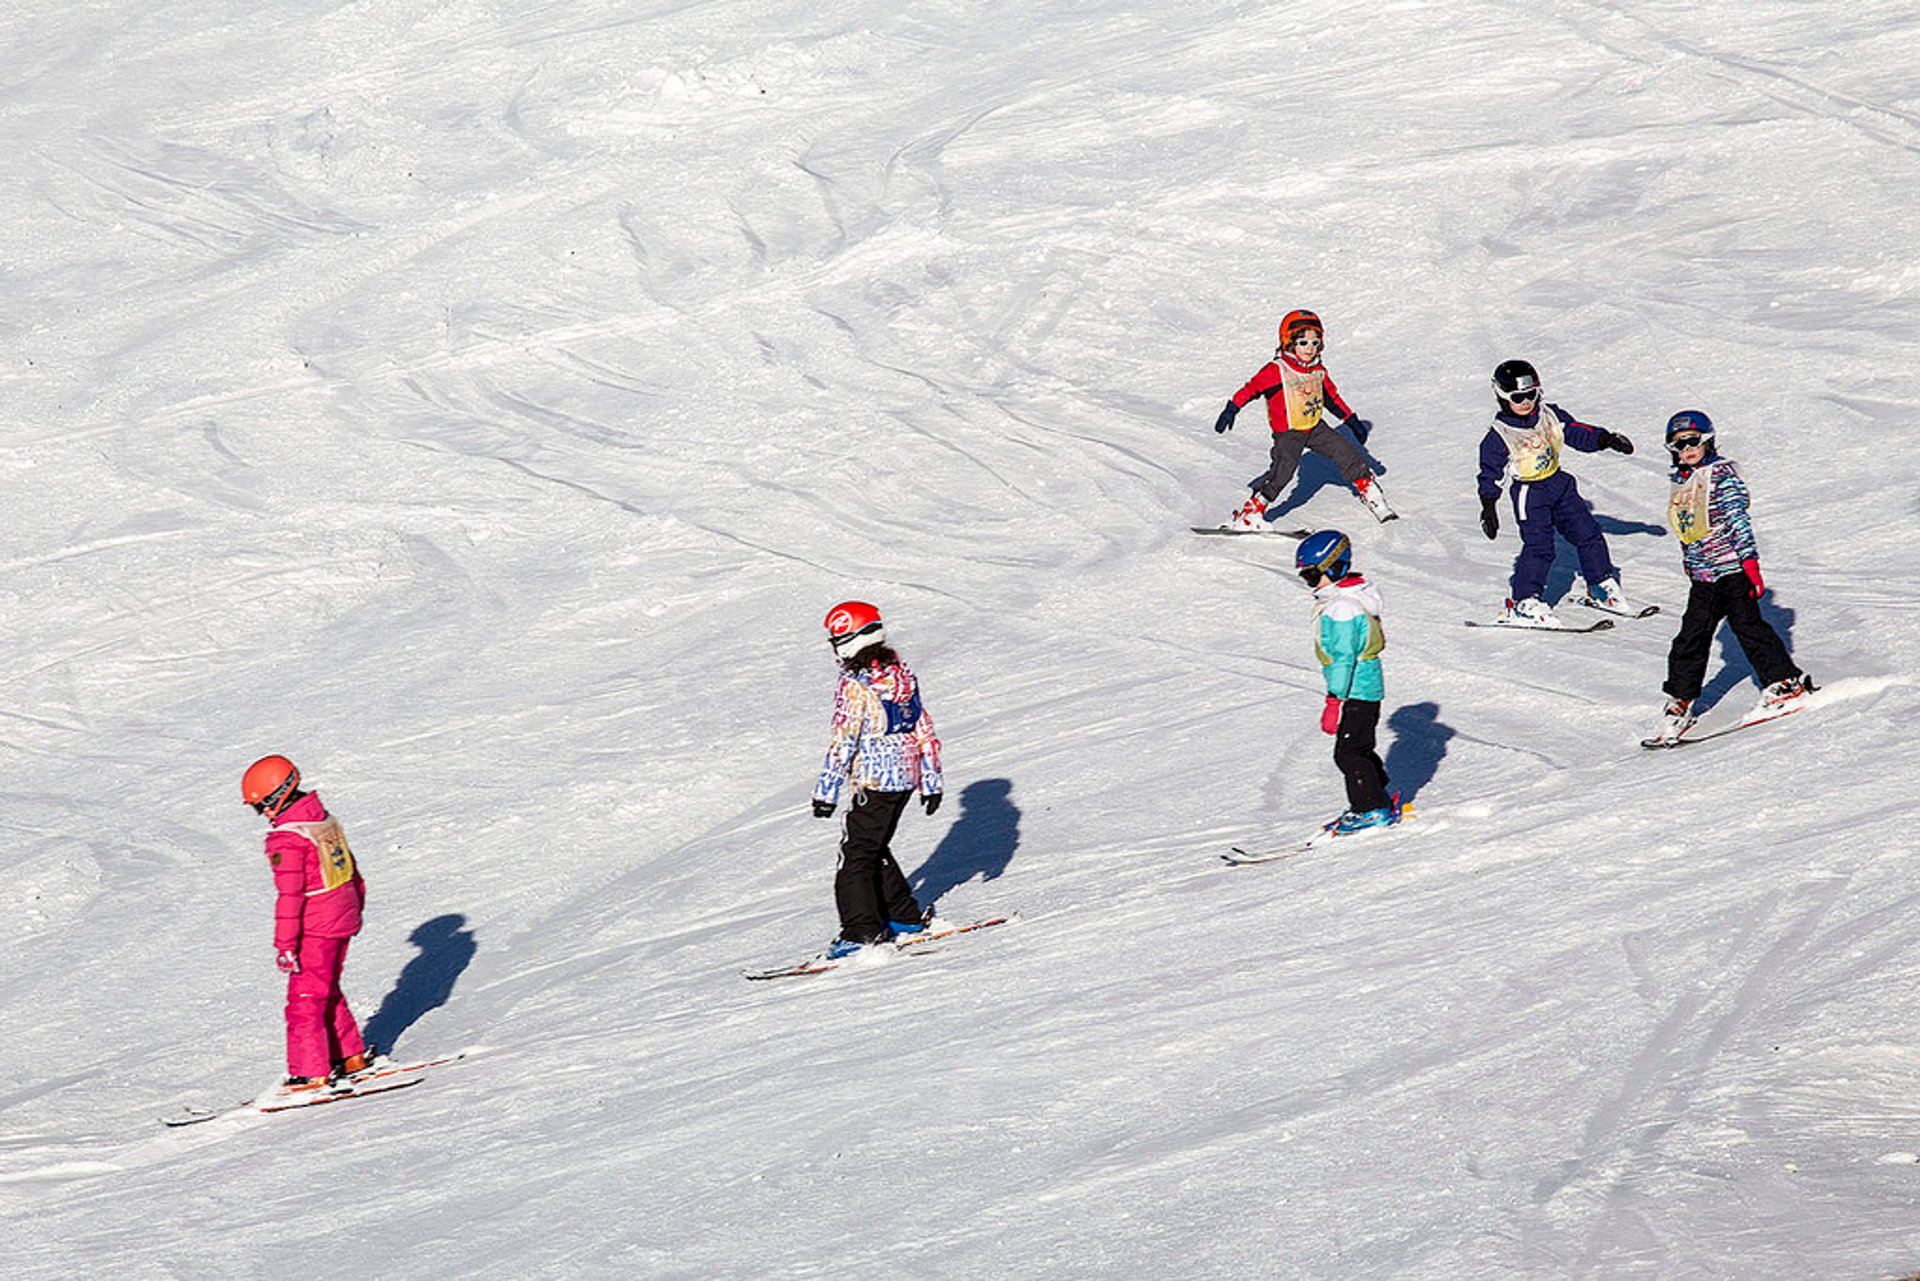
1348, 638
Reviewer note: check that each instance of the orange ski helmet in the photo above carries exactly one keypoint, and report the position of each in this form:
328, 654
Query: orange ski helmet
854, 626
1295, 322
268, 784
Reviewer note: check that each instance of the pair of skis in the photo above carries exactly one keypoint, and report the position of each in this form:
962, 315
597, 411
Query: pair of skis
1373, 500
1245, 855
1554, 623
381, 1077
822, 963
1693, 733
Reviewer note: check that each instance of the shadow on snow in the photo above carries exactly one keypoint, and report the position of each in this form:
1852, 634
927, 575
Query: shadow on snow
446, 947
980, 843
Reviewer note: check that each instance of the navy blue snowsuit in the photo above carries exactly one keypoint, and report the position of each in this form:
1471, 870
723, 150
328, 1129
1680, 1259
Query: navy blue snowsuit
1545, 498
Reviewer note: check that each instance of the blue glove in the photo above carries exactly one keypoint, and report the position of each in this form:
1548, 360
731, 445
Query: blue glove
1225, 421
1360, 428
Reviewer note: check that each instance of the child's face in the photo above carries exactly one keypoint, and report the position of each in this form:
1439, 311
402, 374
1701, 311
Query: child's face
1690, 455
1306, 346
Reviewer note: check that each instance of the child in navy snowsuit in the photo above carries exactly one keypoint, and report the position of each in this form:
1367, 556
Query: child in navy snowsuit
1527, 436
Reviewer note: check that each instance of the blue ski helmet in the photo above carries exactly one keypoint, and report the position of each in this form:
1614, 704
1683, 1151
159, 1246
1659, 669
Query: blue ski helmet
1689, 423
1327, 552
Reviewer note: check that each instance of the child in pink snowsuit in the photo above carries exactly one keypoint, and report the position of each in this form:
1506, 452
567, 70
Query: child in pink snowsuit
316, 914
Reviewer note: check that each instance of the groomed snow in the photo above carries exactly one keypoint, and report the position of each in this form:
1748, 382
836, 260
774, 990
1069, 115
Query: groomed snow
483, 403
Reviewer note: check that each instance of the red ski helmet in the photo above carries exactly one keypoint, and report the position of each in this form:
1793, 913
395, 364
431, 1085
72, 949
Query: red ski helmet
1295, 322
269, 783
853, 626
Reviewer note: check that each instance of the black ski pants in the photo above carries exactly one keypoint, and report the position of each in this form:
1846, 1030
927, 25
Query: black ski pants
1355, 753
1284, 461
867, 886
1708, 604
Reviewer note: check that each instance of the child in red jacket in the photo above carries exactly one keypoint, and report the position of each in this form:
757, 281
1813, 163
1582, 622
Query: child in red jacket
1298, 388
316, 914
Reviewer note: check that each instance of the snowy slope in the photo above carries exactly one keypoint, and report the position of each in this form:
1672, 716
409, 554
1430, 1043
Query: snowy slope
482, 403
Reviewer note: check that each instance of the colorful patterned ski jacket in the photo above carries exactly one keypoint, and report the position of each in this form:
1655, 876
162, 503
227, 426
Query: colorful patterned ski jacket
882, 739
1348, 638
319, 890
1295, 393
1531, 444
1707, 510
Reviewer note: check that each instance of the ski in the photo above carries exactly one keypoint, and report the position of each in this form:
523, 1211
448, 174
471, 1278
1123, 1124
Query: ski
820, 963
1244, 856
1759, 716
376, 1078
1230, 530
1630, 611
1600, 626
336, 1092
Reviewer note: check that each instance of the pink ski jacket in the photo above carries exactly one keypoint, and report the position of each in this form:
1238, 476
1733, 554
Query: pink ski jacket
319, 890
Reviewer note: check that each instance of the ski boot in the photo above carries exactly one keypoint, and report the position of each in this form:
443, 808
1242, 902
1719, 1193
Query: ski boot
1531, 612
1252, 514
1368, 488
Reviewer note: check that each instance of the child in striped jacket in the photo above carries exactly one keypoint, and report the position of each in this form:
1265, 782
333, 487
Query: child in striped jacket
1707, 510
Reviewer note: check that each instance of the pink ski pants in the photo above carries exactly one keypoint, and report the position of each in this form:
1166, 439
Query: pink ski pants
320, 1027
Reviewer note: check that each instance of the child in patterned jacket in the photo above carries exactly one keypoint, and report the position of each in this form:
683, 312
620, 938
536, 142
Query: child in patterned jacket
1347, 639
883, 744
1707, 510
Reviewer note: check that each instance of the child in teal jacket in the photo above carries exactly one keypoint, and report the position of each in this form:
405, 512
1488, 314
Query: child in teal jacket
1347, 640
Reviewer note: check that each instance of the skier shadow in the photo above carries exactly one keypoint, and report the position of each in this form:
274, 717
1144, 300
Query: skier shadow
1420, 740
980, 843
1566, 562
1734, 667
1316, 473
446, 948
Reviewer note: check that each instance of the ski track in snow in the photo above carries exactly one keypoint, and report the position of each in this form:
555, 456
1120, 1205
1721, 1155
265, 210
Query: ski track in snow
484, 406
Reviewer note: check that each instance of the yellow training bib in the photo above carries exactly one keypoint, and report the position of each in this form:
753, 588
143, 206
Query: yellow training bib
1687, 505
336, 857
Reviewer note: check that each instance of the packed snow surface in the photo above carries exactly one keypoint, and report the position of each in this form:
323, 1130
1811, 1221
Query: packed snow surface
483, 402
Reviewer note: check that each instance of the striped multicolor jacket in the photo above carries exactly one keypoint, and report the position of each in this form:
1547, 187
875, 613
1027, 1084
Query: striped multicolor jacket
1707, 509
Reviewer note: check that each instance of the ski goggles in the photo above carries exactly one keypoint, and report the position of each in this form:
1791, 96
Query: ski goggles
840, 643
1524, 393
1679, 443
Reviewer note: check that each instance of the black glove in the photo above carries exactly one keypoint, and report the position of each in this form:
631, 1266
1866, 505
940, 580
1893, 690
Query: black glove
930, 802
1225, 421
823, 809
1614, 440
1360, 428
1489, 517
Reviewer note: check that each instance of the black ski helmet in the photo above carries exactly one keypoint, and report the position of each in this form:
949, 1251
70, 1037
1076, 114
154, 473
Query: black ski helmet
1511, 377
1691, 422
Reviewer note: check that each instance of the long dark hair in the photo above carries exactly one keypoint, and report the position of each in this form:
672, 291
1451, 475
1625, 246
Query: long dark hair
873, 656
